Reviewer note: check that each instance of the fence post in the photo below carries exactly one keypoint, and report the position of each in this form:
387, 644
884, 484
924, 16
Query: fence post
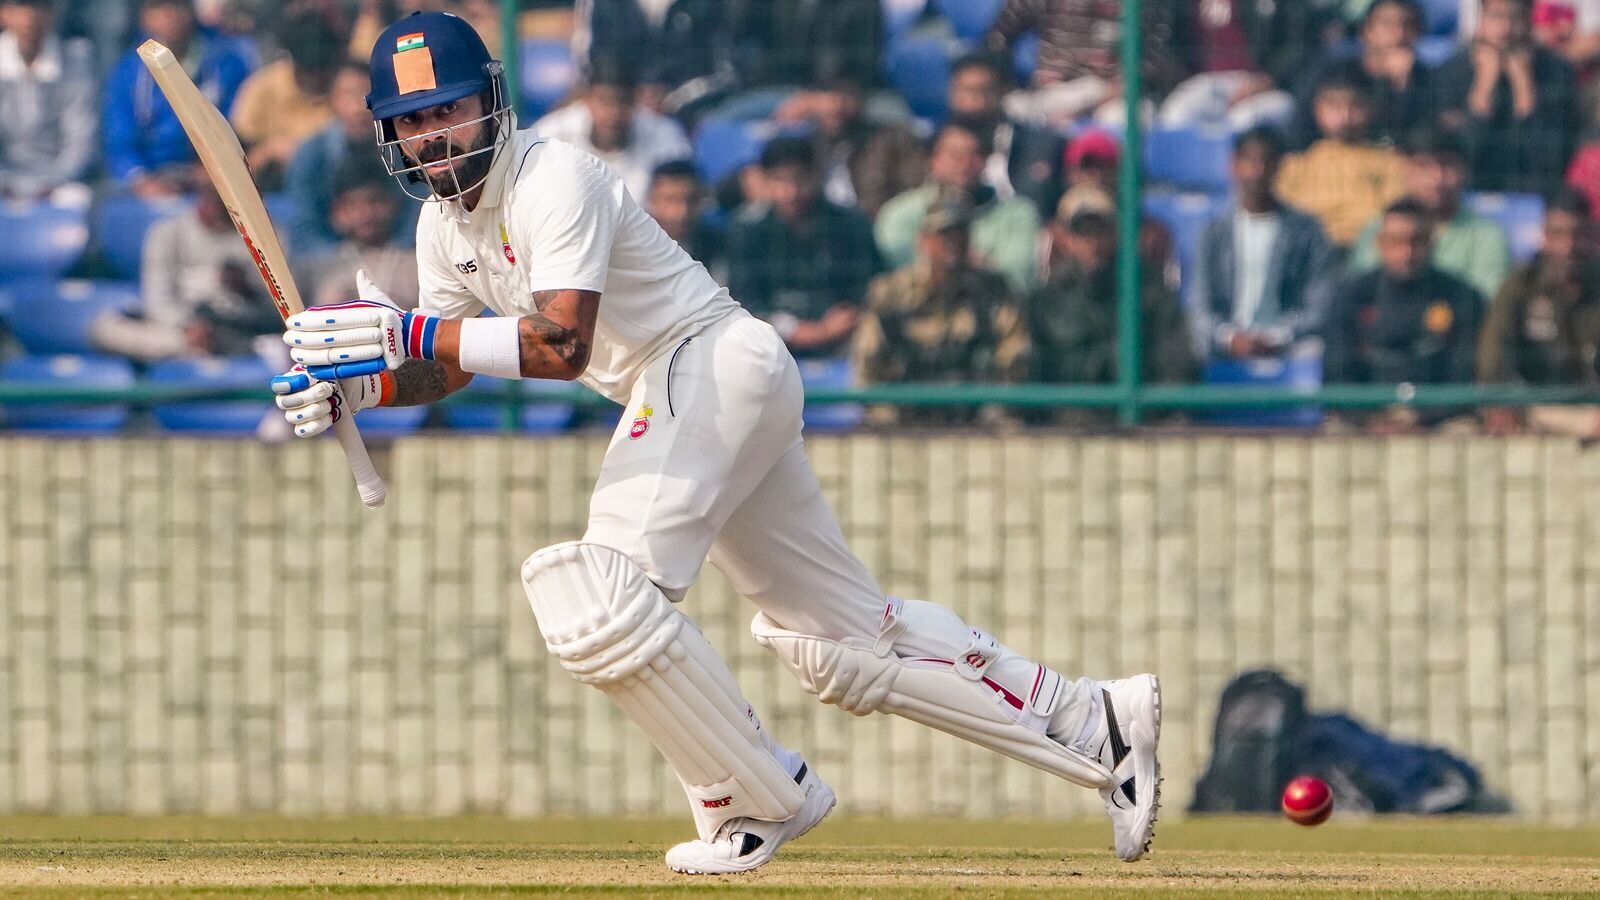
1130, 210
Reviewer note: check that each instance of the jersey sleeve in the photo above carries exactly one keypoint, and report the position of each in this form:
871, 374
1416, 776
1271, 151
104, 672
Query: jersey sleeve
438, 288
564, 219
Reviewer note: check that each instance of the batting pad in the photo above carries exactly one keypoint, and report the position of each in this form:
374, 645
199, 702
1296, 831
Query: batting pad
950, 695
612, 628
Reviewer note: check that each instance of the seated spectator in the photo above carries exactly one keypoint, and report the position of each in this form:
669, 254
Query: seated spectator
48, 97
287, 101
1568, 28
1405, 322
202, 293
1239, 52
1514, 103
683, 48
1003, 231
1079, 69
1465, 244
676, 200
1024, 160
609, 123
793, 42
1543, 327
364, 212
1402, 87
1072, 319
1263, 268
311, 173
941, 319
1091, 165
146, 148
798, 260
865, 163
1344, 179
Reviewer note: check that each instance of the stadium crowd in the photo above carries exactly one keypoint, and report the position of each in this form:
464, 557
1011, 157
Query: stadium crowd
1346, 191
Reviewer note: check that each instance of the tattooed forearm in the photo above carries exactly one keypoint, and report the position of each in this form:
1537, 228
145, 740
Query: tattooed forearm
557, 338
419, 382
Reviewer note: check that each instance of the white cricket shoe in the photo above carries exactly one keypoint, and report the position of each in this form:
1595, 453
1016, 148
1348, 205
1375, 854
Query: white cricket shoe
1125, 742
743, 844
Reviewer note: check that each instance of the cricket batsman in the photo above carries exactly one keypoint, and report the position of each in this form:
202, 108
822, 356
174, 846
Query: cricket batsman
707, 462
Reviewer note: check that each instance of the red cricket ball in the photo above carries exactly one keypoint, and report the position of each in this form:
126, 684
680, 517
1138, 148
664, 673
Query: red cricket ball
1307, 800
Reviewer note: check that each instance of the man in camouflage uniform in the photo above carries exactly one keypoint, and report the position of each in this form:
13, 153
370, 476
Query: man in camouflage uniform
942, 318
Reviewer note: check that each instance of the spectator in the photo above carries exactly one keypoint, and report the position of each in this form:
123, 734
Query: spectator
799, 260
200, 285
1239, 52
1514, 103
1568, 28
1079, 68
1402, 86
683, 46
1405, 322
1091, 165
1025, 160
47, 107
1003, 231
146, 148
287, 101
364, 213
1465, 244
309, 182
1262, 268
1544, 325
796, 42
941, 319
1073, 318
865, 163
1343, 179
609, 123
676, 200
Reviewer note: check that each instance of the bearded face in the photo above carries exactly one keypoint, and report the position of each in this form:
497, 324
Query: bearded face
452, 143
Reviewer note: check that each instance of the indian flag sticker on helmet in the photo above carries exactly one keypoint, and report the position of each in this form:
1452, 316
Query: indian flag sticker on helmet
409, 42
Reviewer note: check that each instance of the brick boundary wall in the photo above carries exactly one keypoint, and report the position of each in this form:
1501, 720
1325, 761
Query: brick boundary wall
218, 627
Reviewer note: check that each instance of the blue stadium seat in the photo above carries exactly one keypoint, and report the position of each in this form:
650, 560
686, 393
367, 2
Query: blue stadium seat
919, 68
1297, 372
1435, 49
970, 18
1025, 57
1185, 215
1440, 16
40, 239
50, 316
121, 222
282, 209
900, 15
724, 146
830, 373
1195, 159
214, 418
1521, 216
390, 422
536, 418
548, 73
62, 372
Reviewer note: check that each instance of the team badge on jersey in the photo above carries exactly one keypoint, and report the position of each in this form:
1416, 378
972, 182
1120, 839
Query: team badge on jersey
641, 423
505, 244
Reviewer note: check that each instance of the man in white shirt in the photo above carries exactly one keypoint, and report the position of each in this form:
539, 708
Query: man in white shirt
48, 107
708, 461
609, 123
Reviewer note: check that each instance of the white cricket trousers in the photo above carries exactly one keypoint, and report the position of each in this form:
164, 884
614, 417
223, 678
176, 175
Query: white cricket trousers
708, 460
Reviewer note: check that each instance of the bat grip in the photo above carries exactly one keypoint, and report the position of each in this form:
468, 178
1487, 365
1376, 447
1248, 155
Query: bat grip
368, 483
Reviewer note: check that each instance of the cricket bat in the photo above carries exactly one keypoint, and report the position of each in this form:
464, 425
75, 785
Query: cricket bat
219, 150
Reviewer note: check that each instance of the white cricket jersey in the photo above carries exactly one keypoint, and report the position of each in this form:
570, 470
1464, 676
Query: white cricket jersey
553, 217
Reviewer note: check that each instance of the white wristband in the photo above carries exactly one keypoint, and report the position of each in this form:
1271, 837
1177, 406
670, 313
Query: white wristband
491, 346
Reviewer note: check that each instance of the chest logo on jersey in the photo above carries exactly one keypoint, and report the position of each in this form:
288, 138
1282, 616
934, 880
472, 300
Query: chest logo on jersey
468, 267
505, 244
641, 423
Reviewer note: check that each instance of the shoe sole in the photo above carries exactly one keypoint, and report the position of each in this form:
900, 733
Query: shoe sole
811, 801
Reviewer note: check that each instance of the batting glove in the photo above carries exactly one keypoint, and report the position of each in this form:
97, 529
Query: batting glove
362, 337
312, 405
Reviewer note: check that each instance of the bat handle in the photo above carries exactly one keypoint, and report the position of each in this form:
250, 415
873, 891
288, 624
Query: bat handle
368, 483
